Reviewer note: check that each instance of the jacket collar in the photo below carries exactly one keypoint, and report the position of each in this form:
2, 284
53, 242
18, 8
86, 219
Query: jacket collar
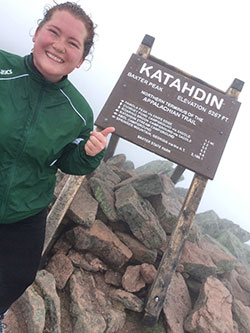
37, 76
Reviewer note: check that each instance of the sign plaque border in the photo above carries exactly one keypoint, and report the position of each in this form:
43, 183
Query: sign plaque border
170, 114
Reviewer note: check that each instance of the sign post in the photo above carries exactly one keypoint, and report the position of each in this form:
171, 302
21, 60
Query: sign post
169, 261
59, 210
179, 117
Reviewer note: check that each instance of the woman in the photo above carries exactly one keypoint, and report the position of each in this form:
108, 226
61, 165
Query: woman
45, 124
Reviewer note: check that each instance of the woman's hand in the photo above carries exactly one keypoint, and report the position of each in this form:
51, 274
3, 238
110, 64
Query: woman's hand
97, 141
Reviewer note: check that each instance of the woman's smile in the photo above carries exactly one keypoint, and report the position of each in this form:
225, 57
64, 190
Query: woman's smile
55, 58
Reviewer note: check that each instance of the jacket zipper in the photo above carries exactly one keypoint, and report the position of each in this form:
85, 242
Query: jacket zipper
26, 138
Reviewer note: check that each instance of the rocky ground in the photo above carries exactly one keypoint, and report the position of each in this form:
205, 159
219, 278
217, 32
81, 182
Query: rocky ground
97, 276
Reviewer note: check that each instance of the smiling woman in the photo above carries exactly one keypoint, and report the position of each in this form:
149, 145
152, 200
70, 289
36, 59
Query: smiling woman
45, 124
59, 45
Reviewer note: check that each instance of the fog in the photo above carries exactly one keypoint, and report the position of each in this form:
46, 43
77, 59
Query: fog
208, 39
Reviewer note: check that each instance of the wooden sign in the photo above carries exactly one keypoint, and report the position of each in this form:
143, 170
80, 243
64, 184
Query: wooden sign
170, 114
177, 116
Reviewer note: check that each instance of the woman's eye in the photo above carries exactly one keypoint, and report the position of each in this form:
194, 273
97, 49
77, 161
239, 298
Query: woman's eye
54, 32
73, 44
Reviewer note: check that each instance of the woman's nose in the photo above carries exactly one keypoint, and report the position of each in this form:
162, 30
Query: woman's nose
59, 46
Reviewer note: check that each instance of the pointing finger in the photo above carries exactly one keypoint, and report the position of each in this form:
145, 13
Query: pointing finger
107, 131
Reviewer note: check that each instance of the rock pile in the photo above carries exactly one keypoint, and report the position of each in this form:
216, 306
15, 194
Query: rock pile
100, 269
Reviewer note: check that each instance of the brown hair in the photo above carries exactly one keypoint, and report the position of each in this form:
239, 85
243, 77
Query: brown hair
80, 14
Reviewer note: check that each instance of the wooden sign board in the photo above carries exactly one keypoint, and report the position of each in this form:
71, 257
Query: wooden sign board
170, 115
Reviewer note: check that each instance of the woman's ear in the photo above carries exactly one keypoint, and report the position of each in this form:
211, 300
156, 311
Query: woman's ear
80, 63
34, 37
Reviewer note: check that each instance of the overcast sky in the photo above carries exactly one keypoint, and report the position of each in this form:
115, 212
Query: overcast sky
207, 39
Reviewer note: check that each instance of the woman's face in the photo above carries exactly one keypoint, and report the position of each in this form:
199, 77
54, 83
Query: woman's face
59, 45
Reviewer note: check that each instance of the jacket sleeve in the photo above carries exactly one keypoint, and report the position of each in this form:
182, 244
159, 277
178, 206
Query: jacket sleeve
74, 159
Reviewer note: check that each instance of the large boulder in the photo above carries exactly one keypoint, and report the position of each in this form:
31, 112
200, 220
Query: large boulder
91, 308
235, 246
238, 285
117, 161
167, 207
140, 252
223, 261
243, 235
83, 208
212, 312
202, 258
177, 304
117, 165
140, 216
149, 184
197, 262
33, 310
210, 223
103, 193
241, 315
46, 283
61, 267
157, 166
84, 305
106, 174
102, 242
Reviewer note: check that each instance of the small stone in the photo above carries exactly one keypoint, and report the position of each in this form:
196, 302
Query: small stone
113, 278
148, 273
132, 280
61, 267
128, 300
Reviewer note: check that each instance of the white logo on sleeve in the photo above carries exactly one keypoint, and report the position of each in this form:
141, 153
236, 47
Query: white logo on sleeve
6, 71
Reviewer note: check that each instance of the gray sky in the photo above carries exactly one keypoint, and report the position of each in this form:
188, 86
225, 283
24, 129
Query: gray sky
208, 39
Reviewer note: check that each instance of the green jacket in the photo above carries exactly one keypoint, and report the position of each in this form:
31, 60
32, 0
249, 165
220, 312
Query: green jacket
43, 126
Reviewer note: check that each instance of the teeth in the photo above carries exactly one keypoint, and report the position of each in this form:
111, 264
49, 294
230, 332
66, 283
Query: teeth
54, 58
